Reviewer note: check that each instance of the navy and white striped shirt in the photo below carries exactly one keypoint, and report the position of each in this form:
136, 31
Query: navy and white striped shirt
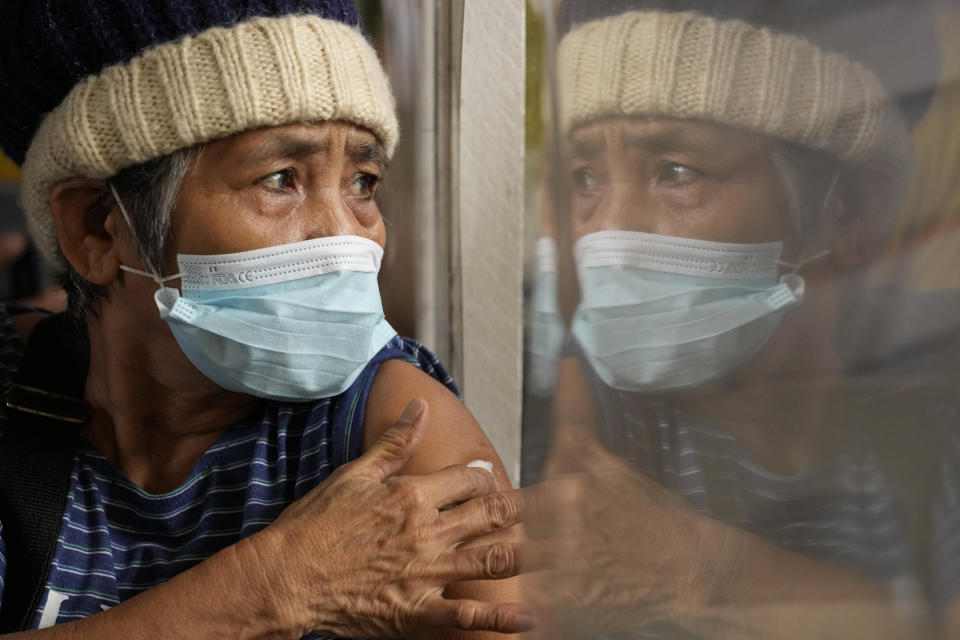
118, 540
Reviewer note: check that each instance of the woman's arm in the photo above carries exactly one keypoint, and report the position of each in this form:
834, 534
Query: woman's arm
364, 554
453, 437
629, 554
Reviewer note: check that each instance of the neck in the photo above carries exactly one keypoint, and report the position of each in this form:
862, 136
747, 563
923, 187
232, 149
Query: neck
151, 412
784, 424
776, 405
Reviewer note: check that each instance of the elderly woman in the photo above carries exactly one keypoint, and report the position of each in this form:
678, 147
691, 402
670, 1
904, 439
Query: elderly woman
727, 172
205, 174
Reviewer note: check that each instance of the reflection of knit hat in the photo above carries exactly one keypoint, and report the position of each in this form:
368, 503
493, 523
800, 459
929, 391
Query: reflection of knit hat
95, 86
690, 65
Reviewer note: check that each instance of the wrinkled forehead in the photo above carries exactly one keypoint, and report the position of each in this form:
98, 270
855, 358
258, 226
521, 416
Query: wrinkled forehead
664, 134
327, 140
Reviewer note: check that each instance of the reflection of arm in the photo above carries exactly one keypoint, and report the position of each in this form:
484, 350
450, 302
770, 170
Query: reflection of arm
676, 565
950, 620
453, 438
945, 532
648, 558
762, 591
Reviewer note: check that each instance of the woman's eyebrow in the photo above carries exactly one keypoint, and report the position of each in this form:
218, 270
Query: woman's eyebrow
587, 147
366, 151
293, 147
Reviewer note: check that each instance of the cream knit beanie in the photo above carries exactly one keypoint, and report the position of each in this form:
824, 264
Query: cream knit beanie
259, 73
688, 65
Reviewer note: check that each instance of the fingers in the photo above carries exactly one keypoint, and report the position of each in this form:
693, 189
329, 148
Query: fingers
482, 515
472, 615
446, 487
503, 560
397, 445
489, 562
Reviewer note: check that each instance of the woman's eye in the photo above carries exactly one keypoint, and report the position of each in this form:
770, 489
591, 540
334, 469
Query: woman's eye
585, 181
364, 185
282, 181
675, 174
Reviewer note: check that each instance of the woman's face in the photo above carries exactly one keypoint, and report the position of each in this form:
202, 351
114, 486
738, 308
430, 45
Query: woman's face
675, 178
279, 185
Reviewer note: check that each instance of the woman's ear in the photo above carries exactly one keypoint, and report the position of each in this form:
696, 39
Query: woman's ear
857, 213
87, 232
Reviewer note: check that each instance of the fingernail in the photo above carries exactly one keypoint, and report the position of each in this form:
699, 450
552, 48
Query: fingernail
413, 411
481, 464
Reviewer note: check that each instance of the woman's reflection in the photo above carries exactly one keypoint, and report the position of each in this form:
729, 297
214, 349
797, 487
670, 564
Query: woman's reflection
727, 177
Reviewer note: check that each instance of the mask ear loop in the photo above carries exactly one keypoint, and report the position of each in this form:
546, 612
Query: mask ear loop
796, 266
160, 280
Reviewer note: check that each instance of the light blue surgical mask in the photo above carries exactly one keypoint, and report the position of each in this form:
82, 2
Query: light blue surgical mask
660, 313
545, 328
294, 322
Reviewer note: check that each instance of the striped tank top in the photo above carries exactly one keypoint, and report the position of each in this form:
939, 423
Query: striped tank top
117, 540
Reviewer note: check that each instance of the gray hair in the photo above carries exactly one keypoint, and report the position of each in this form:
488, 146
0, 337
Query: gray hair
807, 176
149, 192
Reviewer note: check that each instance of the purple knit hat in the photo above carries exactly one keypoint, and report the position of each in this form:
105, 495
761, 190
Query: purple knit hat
48, 46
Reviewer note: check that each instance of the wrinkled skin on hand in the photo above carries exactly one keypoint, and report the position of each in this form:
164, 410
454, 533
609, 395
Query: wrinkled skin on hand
369, 553
623, 552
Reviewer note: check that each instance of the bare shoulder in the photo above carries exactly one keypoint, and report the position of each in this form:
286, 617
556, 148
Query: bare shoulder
453, 435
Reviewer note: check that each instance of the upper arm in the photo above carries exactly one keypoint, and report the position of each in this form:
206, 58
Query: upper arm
453, 437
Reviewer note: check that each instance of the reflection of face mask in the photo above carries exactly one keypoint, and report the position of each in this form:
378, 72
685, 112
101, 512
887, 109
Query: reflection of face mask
545, 331
293, 322
660, 313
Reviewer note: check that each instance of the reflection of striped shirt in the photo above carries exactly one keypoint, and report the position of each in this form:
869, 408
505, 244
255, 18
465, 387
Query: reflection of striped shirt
945, 546
117, 540
840, 510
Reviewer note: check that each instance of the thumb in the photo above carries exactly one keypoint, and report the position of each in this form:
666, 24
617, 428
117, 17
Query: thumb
397, 444
576, 449
575, 421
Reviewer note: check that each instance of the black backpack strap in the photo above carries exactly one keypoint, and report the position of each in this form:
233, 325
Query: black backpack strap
44, 412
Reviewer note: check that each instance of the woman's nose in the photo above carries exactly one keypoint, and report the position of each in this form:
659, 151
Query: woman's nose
329, 214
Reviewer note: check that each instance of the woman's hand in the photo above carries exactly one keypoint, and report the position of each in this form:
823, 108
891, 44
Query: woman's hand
623, 551
368, 553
